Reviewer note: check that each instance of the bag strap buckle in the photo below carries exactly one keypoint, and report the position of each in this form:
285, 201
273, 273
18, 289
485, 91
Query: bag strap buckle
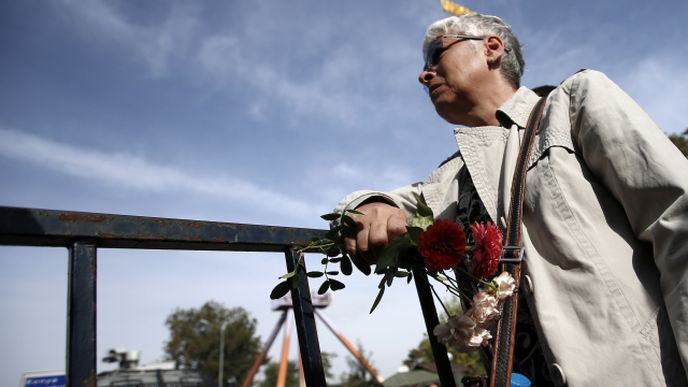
512, 254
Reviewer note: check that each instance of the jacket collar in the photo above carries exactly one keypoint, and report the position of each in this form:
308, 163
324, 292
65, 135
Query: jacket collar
489, 152
516, 109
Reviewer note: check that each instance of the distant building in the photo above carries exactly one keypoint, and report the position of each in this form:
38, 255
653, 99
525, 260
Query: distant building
150, 378
131, 374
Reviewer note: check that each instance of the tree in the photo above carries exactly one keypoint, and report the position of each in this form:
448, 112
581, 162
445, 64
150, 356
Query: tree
681, 141
358, 375
195, 340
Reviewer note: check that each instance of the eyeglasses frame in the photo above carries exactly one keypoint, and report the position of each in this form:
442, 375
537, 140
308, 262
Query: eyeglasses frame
428, 57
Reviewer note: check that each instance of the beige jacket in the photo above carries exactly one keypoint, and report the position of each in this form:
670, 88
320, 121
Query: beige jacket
605, 229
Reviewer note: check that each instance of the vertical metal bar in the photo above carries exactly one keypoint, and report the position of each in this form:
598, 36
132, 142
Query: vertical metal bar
439, 351
305, 323
81, 316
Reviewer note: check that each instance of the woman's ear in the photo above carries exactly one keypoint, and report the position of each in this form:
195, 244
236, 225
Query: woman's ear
494, 50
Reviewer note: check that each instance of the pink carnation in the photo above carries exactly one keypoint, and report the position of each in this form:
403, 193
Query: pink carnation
485, 308
462, 333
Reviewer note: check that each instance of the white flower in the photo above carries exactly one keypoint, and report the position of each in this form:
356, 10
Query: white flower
503, 285
484, 309
462, 333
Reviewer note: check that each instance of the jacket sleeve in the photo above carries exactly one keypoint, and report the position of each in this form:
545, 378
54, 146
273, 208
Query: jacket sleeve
646, 173
402, 197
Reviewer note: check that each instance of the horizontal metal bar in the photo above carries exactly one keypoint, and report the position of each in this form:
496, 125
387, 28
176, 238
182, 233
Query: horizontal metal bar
39, 227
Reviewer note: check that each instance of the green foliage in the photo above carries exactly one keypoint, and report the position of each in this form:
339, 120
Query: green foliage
681, 141
272, 371
194, 341
422, 354
332, 248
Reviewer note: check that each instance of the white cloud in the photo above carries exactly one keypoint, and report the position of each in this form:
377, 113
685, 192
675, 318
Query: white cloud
326, 93
153, 44
135, 172
334, 87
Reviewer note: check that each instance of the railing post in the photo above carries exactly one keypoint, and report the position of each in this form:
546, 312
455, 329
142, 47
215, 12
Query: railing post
439, 351
305, 324
81, 316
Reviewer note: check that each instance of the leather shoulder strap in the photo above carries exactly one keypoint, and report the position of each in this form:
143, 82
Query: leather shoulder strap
503, 347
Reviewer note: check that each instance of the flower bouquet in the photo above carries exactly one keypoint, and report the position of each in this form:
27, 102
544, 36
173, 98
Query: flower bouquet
439, 248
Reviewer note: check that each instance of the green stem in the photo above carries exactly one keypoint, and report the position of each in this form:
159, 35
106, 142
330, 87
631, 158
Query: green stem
456, 287
439, 299
317, 245
474, 277
452, 289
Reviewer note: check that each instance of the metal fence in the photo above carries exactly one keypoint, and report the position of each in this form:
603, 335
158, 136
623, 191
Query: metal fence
84, 233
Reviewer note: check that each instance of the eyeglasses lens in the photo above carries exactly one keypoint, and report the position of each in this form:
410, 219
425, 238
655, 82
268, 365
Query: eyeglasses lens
433, 53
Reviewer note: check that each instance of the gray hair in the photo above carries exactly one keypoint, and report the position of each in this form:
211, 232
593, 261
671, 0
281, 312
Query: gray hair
476, 24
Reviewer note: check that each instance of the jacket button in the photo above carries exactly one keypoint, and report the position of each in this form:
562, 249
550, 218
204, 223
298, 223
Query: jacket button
528, 283
558, 375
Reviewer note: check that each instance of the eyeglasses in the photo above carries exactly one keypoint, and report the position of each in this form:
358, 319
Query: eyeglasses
436, 48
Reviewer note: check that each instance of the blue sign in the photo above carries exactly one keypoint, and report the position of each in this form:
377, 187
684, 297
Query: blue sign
45, 381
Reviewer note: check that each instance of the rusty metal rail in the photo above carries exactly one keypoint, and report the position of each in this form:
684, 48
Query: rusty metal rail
84, 233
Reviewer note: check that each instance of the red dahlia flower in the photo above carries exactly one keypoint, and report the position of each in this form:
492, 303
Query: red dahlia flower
487, 249
442, 245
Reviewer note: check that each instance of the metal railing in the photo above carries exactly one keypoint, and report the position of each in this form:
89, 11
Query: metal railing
84, 233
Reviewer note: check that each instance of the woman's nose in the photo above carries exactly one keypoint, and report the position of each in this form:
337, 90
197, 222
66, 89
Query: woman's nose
426, 76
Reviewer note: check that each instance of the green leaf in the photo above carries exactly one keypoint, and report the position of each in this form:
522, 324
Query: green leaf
378, 298
324, 261
353, 212
336, 259
361, 265
333, 233
288, 275
422, 208
409, 278
280, 290
422, 222
314, 274
389, 255
332, 273
389, 276
323, 288
349, 222
331, 216
410, 258
401, 274
345, 265
440, 277
414, 232
382, 282
336, 285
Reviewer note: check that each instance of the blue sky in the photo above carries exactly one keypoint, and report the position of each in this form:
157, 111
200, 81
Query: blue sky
259, 112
